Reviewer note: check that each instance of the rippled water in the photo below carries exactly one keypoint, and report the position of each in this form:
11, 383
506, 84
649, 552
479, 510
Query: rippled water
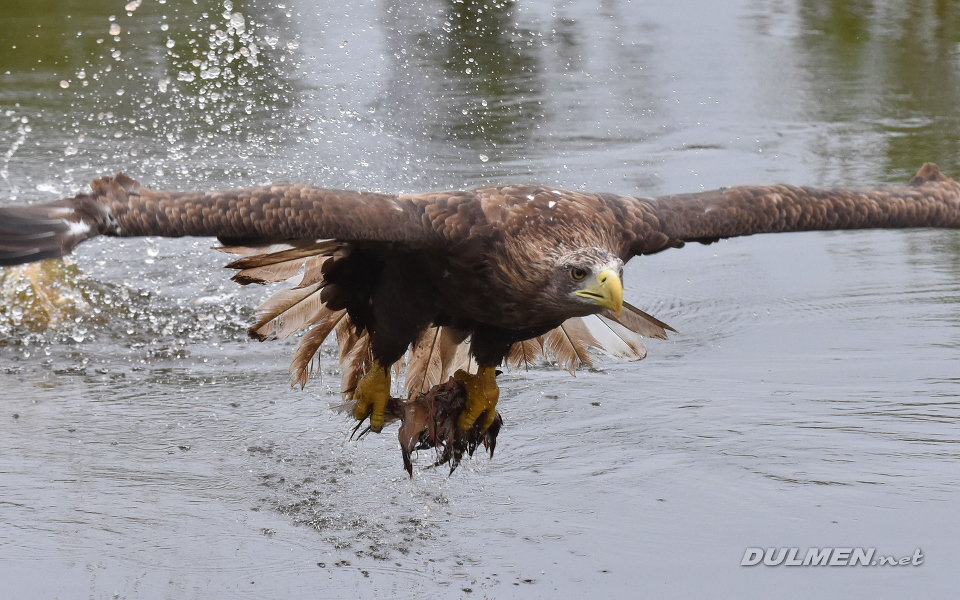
811, 398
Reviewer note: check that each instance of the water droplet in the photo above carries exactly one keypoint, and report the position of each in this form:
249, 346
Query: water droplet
132, 6
64, 83
171, 43
185, 76
115, 29
484, 158
120, 92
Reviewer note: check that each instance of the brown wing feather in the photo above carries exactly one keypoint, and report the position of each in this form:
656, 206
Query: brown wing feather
429, 358
282, 264
615, 340
569, 344
355, 356
930, 200
295, 212
526, 353
287, 312
120, 206
301, 367
640, 322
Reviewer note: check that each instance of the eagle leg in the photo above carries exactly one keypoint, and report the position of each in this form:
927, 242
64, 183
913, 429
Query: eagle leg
372, 395
482, 396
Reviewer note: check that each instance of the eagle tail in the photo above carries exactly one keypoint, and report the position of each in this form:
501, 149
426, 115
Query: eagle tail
54, 229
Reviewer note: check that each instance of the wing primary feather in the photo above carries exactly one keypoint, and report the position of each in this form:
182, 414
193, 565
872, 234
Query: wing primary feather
252, 248
614, 339
299, 250
355, 356
640, 322
282, 264
287, 312
568, 343
301, 367
430, 357
423, 364
526, 353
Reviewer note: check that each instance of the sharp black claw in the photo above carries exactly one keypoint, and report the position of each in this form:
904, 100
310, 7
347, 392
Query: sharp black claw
353, 434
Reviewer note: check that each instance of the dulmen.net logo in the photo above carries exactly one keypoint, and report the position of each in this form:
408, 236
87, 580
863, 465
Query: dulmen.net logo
827, 557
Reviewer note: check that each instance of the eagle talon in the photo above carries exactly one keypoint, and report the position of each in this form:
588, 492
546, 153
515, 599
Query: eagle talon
372, 395
482, 396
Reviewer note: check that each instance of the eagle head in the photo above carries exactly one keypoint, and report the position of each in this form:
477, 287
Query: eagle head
588, 281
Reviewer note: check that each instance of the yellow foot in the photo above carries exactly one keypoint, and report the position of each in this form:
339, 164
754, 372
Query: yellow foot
372, 395
482, 396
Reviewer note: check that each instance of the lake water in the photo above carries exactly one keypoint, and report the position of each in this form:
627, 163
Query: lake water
148, 449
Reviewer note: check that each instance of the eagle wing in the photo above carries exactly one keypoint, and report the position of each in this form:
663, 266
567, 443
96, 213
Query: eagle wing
931, 199
290, 230
119, 206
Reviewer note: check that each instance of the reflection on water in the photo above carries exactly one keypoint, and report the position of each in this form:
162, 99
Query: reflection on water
150, 86
147, 448
487, 70
886, 68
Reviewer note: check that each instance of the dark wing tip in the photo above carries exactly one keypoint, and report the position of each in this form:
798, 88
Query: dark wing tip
33, 233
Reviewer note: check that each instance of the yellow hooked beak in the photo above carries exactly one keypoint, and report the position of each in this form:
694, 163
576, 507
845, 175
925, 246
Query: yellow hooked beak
605, 290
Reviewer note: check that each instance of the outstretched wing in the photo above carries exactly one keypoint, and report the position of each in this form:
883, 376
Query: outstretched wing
120, 206
931, 199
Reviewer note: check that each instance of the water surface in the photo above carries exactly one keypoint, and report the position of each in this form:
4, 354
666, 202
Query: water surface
811, 398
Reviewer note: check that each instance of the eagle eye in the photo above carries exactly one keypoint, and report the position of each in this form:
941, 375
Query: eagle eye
578, 273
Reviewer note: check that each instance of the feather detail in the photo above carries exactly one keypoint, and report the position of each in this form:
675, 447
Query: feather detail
300, 250
526, 353
312, 270
272, 266
269, 273
568, 344
458, 358
429, 358
640, 322
301, 367
254, 249
355, 356
462, 359
614, 339
287, 312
